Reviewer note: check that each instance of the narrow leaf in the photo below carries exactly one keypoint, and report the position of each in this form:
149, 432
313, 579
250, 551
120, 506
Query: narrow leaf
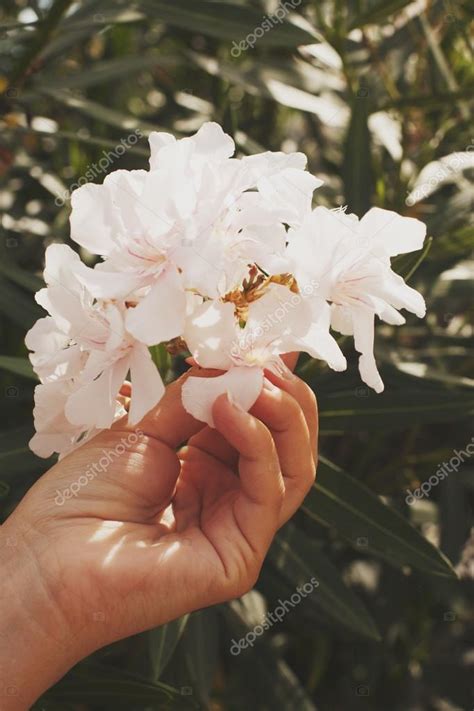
19, 366
357, 167
301, 561
17, 306
162, 643
228, 21
340, 501
379, 13
407, 264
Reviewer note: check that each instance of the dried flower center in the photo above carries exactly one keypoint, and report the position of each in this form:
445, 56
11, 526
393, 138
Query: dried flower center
254, 287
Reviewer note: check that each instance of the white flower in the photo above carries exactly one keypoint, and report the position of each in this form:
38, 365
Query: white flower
283, 182
124, 221
221, 252
84, 350
278, 322
349, 260
196, 220
54, 432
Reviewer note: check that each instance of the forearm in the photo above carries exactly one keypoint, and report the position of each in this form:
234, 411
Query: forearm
36, 647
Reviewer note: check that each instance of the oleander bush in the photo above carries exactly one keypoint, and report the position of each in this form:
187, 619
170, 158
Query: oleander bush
379, 95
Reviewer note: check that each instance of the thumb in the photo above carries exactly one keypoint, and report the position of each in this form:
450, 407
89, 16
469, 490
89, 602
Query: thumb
168, 421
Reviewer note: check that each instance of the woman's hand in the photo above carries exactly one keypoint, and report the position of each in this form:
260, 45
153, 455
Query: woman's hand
129, 532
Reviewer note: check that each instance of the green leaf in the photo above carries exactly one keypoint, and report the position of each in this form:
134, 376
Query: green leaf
226, 21
269, 683
16, 458
39, 39
162, 359
97, 111
17, 306
338, 500
18, 275
200, 643
347, 405
407, 264
83, 23
103, 72
51, 705
379, 12
98, 683
262, 79
301, 561
162, 643
19, 366
357, 166
4, 489
109, 17
434, 100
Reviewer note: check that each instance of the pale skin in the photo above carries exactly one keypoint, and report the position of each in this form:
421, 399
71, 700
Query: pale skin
161, 532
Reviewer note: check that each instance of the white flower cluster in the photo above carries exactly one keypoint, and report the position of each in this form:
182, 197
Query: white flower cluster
206, 248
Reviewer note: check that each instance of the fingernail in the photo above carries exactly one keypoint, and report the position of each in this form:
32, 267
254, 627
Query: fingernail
286, 372
234, 402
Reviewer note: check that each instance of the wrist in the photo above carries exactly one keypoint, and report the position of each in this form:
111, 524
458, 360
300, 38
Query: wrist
37, 645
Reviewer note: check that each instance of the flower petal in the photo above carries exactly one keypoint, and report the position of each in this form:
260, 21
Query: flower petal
211, 334
212, 143
147, 385
94, 404
394, 233
363, 322
292, 191
54, 433
157, 141
199, 394
317, 341
92, 218
341, 320
104, 284
395, 292
45, 337
64, 298
160, 315
271, 162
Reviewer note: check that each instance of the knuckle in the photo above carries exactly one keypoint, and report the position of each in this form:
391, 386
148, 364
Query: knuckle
276, 497
286, 414
309, 396
308, 476
290, 407
251, 578
245, 582
280, 491
264, 439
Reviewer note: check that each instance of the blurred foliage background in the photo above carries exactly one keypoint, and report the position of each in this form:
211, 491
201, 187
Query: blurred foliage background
379, 96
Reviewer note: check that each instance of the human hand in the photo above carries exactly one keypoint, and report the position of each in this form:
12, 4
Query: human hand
157, 534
